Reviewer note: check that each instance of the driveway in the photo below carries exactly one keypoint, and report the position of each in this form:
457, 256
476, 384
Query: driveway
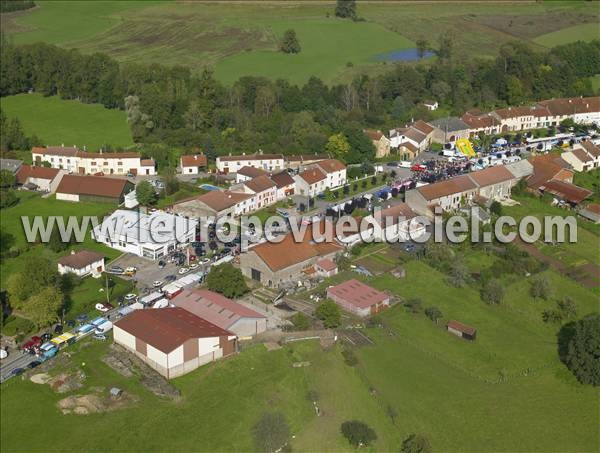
148, 271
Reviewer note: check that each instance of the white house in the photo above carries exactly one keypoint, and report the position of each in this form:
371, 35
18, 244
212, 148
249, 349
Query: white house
247, 173
335, 172
310, 182
584, 156
431, 105
81, 263
285, 184
73, 160
150, 236
191, 164
268, 162
173, 341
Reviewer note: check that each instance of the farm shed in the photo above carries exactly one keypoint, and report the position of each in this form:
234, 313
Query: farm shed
173, 341
358, 298
461, 330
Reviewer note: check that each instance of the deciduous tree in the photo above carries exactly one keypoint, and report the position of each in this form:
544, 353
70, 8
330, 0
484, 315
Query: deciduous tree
329, 312
227, 280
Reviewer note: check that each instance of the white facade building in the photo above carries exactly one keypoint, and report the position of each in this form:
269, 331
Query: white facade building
150, 236
267, 162
73, 160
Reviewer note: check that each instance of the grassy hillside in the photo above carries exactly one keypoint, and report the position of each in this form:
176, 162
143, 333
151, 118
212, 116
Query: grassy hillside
241, 38
583, 32
56, 121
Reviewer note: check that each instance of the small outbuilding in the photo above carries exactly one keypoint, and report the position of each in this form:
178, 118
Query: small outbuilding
461, 330
81, 263
358, 298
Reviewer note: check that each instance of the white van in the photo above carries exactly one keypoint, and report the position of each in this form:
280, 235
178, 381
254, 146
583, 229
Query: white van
104, 327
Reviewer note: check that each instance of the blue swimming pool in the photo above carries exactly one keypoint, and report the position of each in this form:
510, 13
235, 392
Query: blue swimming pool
209, 187
402, 55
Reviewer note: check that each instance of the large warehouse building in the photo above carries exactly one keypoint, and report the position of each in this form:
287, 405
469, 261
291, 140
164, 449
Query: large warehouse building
173, 341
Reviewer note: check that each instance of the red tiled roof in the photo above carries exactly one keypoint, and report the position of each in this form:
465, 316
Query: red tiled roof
313, 175
591, 148
288, 252
479, 121
452, 186
220, 200
306, 157
394, 212
570, 106
461, 327
147, 163
582, 155
282, 179
168, 328
80, 259
260, 184
92, 185
491, 175
331, 165
357, 293
27, 171
213, 307
327, 264
566, 191
409, 146
547, 167
56, 151
251, 172
255, 156
423, 127
193, 160
593, 207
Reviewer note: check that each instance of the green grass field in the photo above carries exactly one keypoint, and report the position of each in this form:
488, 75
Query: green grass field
56, 121
32, 204
583, 32
241, 39
436, 383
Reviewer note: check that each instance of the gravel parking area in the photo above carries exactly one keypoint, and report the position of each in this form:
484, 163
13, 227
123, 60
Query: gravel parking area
148, 271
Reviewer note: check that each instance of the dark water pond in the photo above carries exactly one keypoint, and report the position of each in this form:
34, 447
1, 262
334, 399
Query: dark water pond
402, 55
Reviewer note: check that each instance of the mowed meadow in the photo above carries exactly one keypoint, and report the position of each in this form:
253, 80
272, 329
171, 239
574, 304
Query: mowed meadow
242, 39
57, 121
507, 391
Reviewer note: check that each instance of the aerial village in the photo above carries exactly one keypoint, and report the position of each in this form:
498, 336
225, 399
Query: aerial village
175, 324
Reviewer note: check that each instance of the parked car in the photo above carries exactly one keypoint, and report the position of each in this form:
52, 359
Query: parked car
204, 261
183, 270
170, 278
32, 344
33, 364
161, 264
116, 270
99, 336
129, 297
46, 336
194, 266
131, 269
82, 317
17, 372
58, 329
103, 307
157, 283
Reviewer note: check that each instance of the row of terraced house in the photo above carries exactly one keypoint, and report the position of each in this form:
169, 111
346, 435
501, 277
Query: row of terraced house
413, 138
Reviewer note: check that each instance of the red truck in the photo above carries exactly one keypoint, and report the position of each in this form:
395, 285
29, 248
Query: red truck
33, 344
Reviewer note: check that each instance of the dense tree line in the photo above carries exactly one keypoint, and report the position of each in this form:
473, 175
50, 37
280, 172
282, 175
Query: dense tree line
9, 6
13, 137
175, 107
